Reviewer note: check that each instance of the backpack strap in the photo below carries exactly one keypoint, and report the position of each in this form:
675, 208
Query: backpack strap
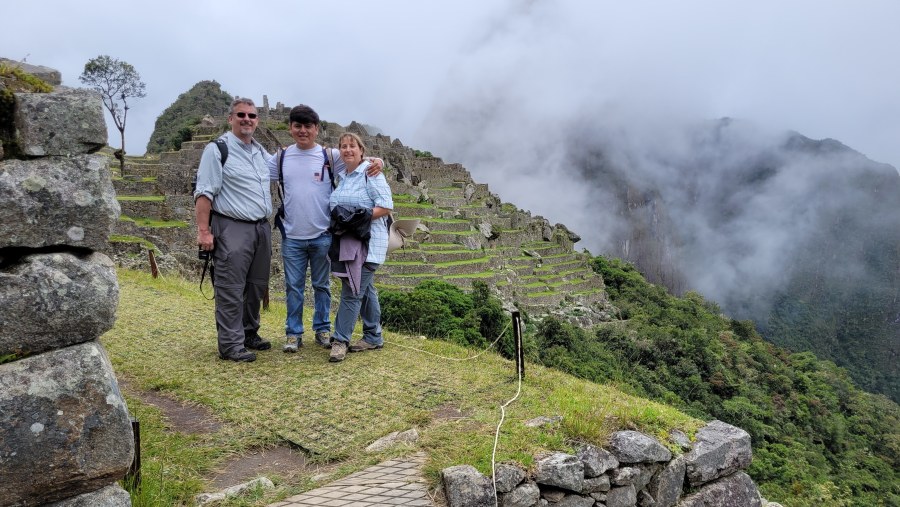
328, 155
281, 172
223, 148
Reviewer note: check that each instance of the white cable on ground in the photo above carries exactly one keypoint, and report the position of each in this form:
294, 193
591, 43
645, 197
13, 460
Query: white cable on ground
497, 434
502, 407
454, 358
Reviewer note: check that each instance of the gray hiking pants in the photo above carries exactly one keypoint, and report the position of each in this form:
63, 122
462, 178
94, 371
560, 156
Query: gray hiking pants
242, 255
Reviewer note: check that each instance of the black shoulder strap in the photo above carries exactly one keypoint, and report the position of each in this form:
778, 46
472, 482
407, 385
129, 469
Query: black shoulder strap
281, 171
328, 165
223, 148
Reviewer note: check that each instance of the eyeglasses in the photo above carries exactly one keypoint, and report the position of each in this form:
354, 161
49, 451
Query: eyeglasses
241, 114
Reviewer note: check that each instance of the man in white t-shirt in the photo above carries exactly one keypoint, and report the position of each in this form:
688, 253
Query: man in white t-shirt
307, 173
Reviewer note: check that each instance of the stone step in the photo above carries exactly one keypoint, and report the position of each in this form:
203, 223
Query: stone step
146, 169
402, 210
136, 187
454, 237
452, 255
448, 225
435, 246
395, 280
546, 248
194, 145
408, 268
541, 298
407, 255
563, 265
143, 208
449, 202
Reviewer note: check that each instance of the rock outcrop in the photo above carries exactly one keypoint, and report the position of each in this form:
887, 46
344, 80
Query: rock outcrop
65, 432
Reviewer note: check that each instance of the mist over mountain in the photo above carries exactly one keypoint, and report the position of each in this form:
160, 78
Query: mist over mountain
799, 235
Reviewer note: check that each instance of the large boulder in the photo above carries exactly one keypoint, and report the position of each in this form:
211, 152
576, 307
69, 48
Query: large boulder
465, 486
634, 447
720, 449
65, 427
561, 470
53, 300
57, 201
64, 123
736, 490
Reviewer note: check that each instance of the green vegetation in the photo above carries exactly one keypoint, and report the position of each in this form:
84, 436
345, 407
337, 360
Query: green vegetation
817, 438
164, 340
147, 198
17, 80
438, 309
419, 153
122, 238
152, 222
8, 358
175, 124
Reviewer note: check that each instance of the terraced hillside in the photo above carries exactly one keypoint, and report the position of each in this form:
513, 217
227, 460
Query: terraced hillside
465, 232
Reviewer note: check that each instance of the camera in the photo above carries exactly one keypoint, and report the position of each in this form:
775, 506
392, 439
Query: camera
202, 254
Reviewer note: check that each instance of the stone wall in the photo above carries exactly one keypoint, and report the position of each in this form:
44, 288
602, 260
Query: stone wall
636, 470
65, 432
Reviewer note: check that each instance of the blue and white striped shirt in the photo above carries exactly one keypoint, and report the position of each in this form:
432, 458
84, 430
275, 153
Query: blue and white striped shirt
356, 190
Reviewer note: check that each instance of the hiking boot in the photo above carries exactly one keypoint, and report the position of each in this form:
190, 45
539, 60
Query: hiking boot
323, 338
241, 356
338, 351
254, 342
362, 346
292, 342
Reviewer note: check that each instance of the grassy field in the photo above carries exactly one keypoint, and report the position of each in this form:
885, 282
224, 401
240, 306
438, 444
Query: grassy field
164, 340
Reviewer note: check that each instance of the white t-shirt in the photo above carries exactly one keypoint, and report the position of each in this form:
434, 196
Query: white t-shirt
306, 190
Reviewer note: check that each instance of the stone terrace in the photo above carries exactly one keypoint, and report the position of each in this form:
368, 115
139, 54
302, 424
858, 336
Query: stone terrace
466, 232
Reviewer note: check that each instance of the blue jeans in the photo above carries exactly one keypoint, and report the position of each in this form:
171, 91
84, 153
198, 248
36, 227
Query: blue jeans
297, 254
365, 305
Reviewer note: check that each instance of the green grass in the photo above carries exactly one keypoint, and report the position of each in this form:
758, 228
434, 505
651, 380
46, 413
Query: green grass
446, 220
398, 205
164, 339
122, 238
483, 274
151, 222
148, 198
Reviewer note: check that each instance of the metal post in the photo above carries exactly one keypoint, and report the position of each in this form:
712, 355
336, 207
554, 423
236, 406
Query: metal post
520, 350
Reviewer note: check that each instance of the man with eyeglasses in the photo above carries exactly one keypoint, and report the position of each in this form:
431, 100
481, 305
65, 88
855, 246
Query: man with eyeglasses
233, 202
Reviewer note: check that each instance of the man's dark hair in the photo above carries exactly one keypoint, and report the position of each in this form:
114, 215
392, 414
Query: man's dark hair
304, 115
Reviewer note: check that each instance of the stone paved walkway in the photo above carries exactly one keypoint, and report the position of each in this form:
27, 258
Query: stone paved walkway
391, 483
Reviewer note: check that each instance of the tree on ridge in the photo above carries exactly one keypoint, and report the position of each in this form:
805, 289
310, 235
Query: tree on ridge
117, 81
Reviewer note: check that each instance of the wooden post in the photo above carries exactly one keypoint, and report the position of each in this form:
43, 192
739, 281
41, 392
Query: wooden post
154, 269
133, 475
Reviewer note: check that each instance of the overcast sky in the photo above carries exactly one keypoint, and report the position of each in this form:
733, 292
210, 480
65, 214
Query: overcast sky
823, 68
